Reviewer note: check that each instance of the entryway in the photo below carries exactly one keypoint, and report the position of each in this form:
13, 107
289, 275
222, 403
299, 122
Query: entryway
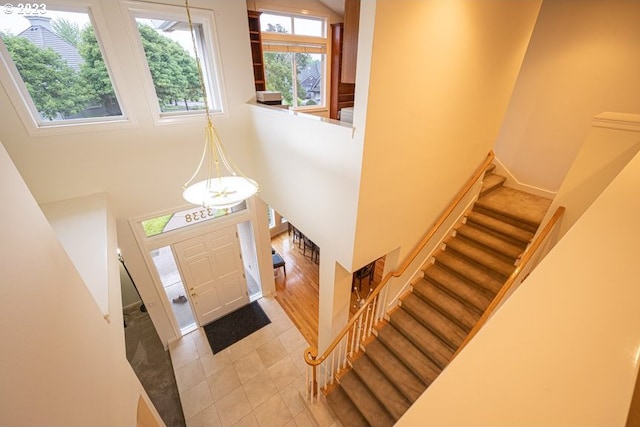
213, 272
204, 263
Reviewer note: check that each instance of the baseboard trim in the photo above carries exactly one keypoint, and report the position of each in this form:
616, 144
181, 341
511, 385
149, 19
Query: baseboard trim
514, 183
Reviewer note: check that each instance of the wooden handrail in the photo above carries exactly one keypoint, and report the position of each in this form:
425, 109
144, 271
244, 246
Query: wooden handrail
526, 257
311, 353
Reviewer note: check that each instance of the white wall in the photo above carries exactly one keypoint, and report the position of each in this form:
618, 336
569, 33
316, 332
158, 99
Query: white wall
564, 349
80, 225
582, 60
62, 364
309, 172
141, 167
441, 75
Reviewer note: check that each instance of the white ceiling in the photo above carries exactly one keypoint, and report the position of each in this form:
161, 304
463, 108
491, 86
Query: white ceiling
336, 5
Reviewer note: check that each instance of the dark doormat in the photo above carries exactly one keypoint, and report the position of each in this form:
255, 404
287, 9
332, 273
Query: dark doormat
234, 326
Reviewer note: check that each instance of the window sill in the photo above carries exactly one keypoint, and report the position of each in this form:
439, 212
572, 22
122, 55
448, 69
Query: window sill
277, 109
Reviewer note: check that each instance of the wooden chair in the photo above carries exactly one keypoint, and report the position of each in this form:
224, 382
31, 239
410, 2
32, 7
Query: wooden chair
313, 248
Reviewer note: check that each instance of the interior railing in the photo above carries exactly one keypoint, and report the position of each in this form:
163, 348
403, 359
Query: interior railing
360, 328
521, 272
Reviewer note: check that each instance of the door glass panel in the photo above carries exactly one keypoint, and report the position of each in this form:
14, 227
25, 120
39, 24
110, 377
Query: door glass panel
191, 216
172, 283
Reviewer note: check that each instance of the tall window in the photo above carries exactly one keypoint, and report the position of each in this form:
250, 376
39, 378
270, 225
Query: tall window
295, 49
57, 64
170, 58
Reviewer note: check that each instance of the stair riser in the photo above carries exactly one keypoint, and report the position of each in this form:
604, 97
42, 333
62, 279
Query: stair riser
509, 220
504, 249
345, 409
422, 338
440, 325
475, 297
423, 367
365, 401
456, 311
381, 387
500, 268
395, 370
512, 239
481, 278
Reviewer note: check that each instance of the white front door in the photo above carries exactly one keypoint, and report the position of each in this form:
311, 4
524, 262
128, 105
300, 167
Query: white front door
213, 273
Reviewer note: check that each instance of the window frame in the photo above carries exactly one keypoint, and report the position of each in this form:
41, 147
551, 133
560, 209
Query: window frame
292, 43
208, 52
21, 98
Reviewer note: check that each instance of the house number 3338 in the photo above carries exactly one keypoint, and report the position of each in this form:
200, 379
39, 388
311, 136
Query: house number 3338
199, 215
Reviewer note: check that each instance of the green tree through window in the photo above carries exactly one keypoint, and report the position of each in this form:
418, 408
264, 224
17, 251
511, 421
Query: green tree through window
55, 88
173, 70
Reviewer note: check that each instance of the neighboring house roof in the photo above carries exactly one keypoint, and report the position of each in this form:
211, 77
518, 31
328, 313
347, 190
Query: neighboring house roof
41, 34
309, 78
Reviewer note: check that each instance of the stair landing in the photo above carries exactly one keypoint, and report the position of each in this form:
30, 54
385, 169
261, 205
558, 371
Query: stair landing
515, 203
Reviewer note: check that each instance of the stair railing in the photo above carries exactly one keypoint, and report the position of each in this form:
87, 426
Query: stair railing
360, 328
518, 276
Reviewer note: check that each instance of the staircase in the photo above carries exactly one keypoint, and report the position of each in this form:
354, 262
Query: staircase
421, 336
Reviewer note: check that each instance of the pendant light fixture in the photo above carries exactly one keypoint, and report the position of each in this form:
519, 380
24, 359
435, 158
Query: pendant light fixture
225, 185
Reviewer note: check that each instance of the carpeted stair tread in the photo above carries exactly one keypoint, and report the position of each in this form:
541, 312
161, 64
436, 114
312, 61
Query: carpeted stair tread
435, 321
503, 247
423, 367
456, 310
344, 408
475, 296
382, 388
516, 204
485, 278
490, 182
395, 370
481, 257
365, 401
518, 235
423, 338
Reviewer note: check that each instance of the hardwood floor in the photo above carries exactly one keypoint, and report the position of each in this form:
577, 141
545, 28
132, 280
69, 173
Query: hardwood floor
298, 292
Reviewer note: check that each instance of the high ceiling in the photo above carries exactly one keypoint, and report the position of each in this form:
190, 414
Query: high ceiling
336, 5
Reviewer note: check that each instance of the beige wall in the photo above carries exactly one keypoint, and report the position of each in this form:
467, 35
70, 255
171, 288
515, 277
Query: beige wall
441, 76
583, 60
613, 140
63, 364
564, 349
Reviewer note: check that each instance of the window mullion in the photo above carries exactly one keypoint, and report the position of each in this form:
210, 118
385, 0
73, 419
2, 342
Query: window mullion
294, 79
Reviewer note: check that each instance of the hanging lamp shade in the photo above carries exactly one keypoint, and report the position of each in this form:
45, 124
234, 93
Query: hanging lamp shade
225, 185
220, 193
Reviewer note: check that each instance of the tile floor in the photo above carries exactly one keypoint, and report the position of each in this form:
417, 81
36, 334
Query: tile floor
255, 382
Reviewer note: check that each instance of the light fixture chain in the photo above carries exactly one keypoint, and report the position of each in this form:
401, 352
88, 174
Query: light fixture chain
220, 191
199, 66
